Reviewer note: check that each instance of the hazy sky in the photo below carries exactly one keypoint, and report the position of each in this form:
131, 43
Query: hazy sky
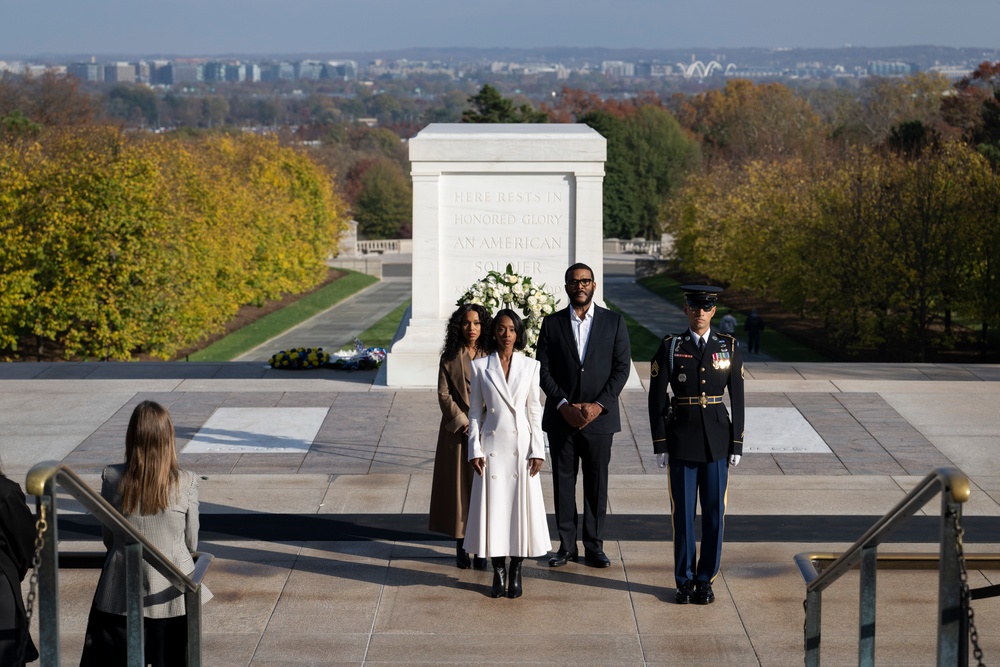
207, 27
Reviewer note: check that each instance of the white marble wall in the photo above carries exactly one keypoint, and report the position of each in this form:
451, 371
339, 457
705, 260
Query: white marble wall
485, 196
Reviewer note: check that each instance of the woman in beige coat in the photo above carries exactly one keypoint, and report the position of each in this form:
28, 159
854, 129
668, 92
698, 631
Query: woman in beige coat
507, 448
452, 481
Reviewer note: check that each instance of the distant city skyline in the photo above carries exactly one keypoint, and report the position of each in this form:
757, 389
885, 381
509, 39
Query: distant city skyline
215, 27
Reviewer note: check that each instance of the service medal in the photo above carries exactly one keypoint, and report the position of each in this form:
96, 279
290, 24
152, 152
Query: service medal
720, 361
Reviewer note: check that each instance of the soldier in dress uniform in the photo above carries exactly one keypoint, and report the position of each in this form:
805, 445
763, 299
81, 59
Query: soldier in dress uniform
690, 424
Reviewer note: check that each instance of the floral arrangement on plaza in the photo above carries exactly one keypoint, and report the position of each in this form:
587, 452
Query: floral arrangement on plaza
511, 290
361, 358
358, 358
299, 358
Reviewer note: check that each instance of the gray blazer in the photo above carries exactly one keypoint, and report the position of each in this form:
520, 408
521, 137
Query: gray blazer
173, 531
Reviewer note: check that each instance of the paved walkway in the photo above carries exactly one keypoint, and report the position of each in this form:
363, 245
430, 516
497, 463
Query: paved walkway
336, 327
323, 556
648, 309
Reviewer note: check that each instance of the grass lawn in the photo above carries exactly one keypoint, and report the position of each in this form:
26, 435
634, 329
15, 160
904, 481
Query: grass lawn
269, 326
381, 333
643, 341
772, 342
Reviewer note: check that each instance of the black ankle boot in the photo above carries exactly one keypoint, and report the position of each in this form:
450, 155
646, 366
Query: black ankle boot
499, 577
514, 578
461, 556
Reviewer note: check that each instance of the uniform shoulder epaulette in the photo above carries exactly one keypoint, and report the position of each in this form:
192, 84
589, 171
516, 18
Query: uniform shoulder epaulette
727, 335
668, 337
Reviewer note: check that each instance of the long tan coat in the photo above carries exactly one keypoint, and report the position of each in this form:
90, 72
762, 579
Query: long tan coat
452, 481
506, 512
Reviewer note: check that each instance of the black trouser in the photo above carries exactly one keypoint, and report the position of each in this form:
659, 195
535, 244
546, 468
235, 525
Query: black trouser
13, 630
569, 449
106, 642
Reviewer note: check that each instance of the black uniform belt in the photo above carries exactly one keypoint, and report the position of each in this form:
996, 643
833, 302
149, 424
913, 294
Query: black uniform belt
702, 400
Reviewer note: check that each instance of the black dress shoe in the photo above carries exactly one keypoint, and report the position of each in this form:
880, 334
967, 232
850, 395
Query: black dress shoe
462, 557
684, 592
514, 589
703, 593
480, 563
596, 559
562, 557
499, 589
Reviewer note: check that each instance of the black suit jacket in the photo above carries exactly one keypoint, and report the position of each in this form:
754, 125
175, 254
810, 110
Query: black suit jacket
697, 433
600, 378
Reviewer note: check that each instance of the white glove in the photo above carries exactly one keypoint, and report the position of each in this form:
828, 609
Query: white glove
734, 460
661, 460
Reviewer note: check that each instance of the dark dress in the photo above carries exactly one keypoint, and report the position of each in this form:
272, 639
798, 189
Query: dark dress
17, 540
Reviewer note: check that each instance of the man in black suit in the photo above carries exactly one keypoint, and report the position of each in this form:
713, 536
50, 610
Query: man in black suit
584, 353
698, 437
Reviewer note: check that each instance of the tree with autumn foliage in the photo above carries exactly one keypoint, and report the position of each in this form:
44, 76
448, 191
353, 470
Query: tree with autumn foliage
114, 244
746, 120
974, 109
648, 157
886, 247
382, 199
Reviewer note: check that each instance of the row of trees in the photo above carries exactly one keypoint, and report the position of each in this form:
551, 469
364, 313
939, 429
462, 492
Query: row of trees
114, 243
841, 203
888, 250
379, 200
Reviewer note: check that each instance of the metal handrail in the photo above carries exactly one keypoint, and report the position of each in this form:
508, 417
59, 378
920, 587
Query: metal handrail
954, 488
41, 482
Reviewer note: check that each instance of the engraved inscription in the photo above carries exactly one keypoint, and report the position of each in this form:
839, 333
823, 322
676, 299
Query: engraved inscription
488, 221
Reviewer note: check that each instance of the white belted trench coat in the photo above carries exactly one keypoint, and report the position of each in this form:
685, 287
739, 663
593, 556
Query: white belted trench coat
506, 511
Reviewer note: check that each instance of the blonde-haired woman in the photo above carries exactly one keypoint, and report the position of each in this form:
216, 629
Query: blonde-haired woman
161, 501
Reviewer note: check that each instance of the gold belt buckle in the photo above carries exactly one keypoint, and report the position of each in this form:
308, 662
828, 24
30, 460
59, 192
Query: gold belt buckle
703, 401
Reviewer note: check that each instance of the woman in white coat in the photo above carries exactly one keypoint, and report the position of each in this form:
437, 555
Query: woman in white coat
507, 449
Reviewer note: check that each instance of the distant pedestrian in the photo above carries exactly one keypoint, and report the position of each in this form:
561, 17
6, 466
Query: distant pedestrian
754, 325
728, 324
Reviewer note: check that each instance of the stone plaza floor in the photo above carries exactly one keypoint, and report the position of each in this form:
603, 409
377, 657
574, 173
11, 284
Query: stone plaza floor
315, 485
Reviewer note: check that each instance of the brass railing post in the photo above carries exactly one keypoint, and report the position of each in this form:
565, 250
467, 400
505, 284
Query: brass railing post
814, 614
48, 582
949, 583
192, 607
133, 605
954, 489
866, 610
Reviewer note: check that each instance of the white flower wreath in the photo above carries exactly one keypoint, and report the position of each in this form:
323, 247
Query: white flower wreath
511, 290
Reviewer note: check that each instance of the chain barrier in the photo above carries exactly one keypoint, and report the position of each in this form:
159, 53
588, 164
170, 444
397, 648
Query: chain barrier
977, 651
41, 525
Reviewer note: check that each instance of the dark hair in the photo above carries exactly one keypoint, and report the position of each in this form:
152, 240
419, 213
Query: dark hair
522, 337
576, 267
453, 339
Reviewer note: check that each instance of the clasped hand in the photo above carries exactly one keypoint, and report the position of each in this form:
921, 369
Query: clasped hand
579, 415
534, 465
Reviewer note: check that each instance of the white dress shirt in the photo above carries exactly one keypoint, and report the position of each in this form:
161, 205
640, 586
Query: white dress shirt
581, 328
